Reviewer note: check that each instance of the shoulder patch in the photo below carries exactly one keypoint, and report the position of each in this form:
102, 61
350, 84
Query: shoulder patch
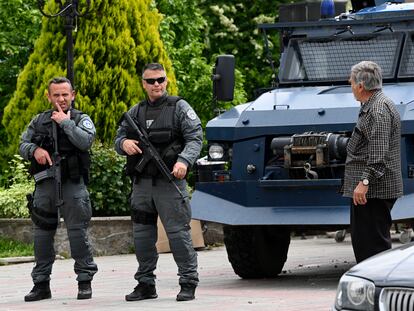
191, 114
87, 124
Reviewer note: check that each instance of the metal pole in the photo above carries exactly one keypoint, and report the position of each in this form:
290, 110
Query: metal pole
70, 72
70, 11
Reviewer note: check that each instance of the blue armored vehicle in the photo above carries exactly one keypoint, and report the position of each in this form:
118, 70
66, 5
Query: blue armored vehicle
275, 165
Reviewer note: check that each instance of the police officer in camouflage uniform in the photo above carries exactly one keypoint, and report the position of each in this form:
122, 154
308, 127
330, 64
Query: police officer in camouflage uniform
75, 134
175, 131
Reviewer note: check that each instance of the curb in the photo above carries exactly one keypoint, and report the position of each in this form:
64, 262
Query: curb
15, 260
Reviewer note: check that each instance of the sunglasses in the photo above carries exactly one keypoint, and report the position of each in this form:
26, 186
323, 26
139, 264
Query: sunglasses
152, 81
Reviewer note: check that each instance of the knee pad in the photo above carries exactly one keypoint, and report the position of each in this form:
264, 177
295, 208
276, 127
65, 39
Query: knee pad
44, 220
144, 218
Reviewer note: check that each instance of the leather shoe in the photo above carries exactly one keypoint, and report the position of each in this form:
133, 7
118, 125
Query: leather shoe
39, 291
186, 293
84, 290
142, 291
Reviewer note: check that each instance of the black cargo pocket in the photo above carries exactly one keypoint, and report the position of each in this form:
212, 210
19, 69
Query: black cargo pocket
85, 208
44, 214
182, 211
144, 218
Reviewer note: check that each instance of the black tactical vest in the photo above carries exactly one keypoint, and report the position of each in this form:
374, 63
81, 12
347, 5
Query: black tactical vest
162, 134
75, 163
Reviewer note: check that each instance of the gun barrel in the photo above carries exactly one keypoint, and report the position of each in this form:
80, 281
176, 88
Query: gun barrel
57, 173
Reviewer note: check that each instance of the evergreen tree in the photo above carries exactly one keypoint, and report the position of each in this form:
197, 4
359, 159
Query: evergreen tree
111, 45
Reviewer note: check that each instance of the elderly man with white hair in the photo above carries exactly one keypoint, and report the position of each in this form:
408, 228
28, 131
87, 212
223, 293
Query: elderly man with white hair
373, 167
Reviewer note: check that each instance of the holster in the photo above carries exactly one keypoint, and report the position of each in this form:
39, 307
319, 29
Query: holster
29, 197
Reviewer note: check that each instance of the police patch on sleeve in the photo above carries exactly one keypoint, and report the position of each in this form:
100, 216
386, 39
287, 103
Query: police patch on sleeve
191, 114
87, 124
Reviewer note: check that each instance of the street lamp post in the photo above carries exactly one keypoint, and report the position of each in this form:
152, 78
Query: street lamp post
70, 10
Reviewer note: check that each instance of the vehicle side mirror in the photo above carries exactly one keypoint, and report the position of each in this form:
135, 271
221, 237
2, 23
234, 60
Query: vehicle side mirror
223, 78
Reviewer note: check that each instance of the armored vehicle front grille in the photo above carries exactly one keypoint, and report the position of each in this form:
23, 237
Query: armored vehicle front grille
396, 299
330, 59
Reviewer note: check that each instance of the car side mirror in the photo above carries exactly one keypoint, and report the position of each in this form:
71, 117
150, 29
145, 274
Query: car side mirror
223, 78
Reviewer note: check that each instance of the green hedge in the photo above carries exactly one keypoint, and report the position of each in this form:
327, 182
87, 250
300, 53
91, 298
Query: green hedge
17, 184
109, 187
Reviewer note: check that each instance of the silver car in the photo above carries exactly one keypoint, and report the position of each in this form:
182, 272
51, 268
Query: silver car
384, 282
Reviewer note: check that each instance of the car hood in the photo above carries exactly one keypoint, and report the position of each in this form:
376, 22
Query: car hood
391, 268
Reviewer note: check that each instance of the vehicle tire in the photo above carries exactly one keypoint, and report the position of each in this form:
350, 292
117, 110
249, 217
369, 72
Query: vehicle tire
340, 236
405, 236
256, 251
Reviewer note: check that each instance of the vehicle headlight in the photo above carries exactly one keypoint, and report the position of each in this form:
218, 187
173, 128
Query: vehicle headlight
355, 293
216, 152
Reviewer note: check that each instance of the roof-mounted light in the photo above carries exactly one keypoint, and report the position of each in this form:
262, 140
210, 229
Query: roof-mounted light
327, 9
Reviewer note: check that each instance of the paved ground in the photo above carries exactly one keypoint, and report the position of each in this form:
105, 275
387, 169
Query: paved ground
308, 282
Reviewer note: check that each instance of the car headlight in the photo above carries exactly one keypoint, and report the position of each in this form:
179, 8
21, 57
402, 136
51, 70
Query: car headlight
355, 293
216, 152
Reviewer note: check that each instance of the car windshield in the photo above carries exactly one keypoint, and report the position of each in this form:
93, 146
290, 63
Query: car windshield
330, 59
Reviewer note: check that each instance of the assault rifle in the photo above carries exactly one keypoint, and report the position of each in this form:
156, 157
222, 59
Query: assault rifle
150, 153
55, 171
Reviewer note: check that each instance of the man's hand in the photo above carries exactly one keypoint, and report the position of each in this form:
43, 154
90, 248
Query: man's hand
42, 156
59, 116
130, 146
179, 170
360, 192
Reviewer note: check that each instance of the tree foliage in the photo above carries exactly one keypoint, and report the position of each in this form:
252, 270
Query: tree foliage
111, 46
19, 28
195, 32
183, 32
232, 29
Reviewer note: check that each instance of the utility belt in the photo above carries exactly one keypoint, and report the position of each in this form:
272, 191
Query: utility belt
136, 179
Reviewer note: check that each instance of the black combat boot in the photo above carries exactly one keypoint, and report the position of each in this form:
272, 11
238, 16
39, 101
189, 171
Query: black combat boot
84, 290
142, 291
39, 291
187, 292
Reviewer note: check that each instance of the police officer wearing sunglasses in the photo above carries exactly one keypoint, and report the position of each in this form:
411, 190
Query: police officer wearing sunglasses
175, 131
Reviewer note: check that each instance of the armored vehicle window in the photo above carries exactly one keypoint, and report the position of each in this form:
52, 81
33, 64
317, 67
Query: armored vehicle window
407, 61
312, 60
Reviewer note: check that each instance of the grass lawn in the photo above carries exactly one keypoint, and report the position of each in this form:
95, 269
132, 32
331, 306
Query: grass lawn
11, 248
